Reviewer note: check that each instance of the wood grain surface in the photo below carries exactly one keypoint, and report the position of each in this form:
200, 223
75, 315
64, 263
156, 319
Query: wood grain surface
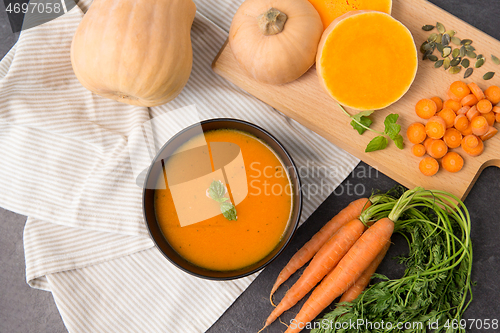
305, 101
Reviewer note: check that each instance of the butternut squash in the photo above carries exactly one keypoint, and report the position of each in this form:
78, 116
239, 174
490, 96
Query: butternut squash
329, 10
366, 60
135, 51
275, 41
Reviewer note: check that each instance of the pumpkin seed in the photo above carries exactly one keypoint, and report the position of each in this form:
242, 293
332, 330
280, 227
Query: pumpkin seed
427, 27
480, 56
439, 38
471, 54
446, 51
479, 63
451, 33
466, 42
468, 72
432, 57
495, 60
432, 37
439, 63
446, 63
455, 69
426, 54
465, 62
488, 75
440, 27
440, 47
455, 61
463, 51
455, 40
470, 48
456, 53
446, 39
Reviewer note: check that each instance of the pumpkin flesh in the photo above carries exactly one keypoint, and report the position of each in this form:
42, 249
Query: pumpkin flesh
366, 60
329, 10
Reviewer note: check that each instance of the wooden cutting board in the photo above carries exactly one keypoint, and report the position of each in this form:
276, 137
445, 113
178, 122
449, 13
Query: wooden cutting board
306, 102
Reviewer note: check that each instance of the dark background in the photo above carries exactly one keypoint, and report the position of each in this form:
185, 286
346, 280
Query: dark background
23, 309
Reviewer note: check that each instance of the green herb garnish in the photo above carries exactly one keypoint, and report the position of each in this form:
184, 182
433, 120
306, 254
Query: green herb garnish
360, 122
217, 192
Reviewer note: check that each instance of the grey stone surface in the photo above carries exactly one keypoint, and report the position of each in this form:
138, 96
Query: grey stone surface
23, 309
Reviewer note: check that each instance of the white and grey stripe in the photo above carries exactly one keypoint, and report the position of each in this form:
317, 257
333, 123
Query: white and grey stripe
65, 164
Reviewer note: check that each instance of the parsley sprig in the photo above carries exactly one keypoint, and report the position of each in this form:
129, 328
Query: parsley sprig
361, 123
217, 192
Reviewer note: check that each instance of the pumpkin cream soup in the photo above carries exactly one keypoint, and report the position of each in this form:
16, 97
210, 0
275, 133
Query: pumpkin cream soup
224, 200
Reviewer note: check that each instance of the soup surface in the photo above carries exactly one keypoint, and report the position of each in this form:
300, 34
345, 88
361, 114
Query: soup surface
257, 184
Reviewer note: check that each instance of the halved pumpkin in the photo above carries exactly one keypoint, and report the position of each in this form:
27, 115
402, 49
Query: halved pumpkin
366, 60
329, 10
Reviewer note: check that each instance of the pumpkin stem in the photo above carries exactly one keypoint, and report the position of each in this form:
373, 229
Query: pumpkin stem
272, 22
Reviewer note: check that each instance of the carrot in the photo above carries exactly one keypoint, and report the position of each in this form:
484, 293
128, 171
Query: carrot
429, 166
345, 274
470, 141
463, 110
484, 106
416, 133
467, 131
490, 117
461, 122
476, 91
426, 108
435, 127
452, 138
418, 150
472, 145
426, 143
352, 293
437, 148
352, 211
458, 90
449, 117
492, 131
493, 94
469, 100
496, 109
452, 104
473, 113
497, 117
479, 125
323, 262
439, 103
452, 162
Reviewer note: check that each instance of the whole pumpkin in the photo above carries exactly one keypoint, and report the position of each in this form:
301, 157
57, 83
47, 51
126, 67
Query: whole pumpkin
275, 41
135, 51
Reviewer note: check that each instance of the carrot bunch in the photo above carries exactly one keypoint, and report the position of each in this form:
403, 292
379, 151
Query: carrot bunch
466, 119
346, 252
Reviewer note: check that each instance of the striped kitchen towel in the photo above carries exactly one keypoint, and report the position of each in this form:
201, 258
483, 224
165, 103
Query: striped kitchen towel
65, 164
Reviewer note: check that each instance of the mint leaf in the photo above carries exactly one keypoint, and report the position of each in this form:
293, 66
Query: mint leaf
378, 143
217, 192
228, 211
363, 120
391, 128
360, 119
398, 140
391, 119
361, 114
